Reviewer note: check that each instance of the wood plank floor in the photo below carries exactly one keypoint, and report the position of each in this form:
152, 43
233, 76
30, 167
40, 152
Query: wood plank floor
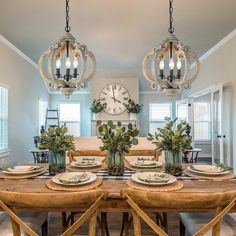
114, 223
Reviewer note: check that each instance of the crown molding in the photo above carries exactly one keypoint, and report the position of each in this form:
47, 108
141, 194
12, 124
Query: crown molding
221, 43
76, 92
18, 51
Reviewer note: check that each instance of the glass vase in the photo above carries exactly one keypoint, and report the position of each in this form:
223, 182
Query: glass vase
173, 163
115, 163
57, 162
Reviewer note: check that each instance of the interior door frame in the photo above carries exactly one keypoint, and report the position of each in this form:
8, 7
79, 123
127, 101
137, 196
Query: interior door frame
218, 88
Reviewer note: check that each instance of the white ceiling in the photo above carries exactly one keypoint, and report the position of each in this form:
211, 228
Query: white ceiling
118, 32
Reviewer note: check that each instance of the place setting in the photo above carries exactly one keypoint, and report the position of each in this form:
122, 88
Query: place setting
86, 164
21, 171
142, 163
154, 181
74, 181
211, 172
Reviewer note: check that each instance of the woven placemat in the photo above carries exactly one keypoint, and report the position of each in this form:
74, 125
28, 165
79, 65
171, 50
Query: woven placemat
25, 176
230, 175
130, 167
162, 188
57, 187
103, 166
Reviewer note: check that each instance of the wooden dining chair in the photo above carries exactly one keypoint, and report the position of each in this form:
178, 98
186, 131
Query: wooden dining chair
91, 214
139, 214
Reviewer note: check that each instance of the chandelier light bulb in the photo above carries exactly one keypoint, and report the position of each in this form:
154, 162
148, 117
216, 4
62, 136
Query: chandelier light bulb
75, 62
162, 65
178, 64
68, 63
171, 64
58, 63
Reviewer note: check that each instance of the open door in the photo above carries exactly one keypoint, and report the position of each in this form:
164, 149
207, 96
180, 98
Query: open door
217, 129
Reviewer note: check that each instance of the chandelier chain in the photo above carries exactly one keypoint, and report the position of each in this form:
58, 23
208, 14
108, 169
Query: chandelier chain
67, 28
171, 28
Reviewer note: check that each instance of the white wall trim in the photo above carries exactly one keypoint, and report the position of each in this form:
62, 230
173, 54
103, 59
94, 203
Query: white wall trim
151, 92
18, 51
218, 45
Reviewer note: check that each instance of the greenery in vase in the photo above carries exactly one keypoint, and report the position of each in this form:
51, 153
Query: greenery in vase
117, 140
171, 139
57, 139
174, 140
97, 106
133, 107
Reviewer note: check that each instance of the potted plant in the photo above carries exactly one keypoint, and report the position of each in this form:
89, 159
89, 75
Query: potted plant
117, 140
173, 141
97, 106
57, 142
133, 109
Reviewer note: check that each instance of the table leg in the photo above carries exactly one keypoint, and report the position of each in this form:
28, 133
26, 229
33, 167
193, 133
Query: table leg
15, 226
195, 159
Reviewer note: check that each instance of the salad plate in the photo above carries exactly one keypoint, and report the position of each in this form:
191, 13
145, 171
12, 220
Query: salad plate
145, 163
208, 169
153, 178
86, 163
21, 170
74, 178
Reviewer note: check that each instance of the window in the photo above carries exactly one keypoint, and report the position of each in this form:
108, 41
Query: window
69, 114
182, 112
202, 121
42, 112
3, 119
158, 114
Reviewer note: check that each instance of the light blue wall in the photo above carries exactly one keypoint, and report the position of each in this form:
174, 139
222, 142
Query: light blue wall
146, 98
85, 103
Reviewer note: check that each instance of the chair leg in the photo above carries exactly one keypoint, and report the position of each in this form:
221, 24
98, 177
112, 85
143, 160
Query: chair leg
44, 228
92, 225
104, 226
165, 222
137, 224
125, 224
63, 223
181, 228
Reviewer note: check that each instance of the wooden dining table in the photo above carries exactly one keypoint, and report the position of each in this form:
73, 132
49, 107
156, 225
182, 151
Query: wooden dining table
196, 195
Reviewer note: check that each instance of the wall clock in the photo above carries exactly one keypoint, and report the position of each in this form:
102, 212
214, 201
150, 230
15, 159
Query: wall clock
115, 96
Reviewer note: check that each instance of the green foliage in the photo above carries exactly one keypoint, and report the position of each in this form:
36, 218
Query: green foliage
97, 106
55, 138
170, 139
133, 107
116, 138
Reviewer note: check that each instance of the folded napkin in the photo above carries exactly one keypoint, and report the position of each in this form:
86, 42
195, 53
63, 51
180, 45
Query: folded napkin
156, 178
220, 168
75, 179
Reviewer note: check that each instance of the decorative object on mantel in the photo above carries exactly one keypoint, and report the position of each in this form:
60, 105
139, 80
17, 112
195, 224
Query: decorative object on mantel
57, 142
173, 60
133, 109
173, 142
97, 106
60, 76
117, 140
115, 96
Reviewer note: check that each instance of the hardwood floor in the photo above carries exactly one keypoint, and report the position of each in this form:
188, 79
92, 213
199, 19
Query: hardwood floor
114, 223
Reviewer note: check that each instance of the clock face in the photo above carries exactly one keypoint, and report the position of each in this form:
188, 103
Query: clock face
115, 96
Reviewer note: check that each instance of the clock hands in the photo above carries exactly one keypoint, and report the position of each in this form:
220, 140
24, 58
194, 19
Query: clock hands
115, 100
113, 94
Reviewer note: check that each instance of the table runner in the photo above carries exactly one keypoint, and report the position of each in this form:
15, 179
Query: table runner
104, 175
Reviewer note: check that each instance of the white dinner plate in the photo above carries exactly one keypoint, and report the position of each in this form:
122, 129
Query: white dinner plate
140, 177
208, 170
71, 176
22, 170
86, 164
145, 164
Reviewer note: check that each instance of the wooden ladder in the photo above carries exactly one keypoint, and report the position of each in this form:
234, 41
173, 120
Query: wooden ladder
52, 114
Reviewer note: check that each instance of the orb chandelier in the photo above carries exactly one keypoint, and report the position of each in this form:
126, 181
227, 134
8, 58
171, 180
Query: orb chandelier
167, 67
64, 65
